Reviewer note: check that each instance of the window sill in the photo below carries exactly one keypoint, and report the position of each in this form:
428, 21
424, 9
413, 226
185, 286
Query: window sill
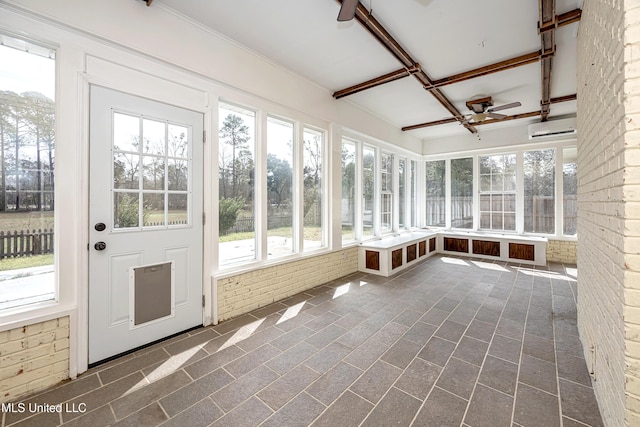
33, 313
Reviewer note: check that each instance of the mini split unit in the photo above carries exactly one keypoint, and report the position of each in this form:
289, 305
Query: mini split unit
552, 129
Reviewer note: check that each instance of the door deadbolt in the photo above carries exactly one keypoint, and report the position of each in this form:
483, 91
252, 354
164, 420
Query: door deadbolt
100, 226
100, 246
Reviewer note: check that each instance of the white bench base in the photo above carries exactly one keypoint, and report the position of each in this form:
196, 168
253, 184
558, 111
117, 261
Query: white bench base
388, 256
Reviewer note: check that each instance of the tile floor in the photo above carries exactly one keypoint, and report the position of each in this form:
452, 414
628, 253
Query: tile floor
449, 342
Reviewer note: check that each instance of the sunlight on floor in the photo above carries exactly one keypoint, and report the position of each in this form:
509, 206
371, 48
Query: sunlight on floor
242, 334
489, 266
341, 290
455, 261
167, 368
291, 312
544, 273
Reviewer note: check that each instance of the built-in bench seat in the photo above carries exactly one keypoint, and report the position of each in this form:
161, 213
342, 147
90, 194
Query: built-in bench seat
390, 255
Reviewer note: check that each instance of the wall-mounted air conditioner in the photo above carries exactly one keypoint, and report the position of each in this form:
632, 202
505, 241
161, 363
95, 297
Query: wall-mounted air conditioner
562, 128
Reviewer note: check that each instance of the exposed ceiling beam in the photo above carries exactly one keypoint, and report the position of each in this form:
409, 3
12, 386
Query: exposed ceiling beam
507, 64
375, 28
546, 19
556, 100
518, 61
512, 117
387, 78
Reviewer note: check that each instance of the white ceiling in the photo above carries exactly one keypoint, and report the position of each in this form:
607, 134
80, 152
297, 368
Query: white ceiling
445, 37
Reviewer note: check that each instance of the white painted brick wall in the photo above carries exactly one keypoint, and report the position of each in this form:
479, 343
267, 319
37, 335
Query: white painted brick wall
33, 358
609, 203
565, 251
247, 291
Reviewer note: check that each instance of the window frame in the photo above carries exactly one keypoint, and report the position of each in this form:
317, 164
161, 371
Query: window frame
61, 304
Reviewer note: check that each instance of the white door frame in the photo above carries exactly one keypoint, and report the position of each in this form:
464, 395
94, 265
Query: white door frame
117, 77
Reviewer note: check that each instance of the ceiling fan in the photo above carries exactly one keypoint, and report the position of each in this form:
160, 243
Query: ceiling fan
347, 10
482, 108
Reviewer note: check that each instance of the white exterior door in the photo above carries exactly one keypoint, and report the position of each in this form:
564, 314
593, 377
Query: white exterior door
146, 183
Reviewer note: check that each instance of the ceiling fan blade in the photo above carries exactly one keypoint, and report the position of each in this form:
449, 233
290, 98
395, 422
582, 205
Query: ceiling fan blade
347, 10
495, 115
504, 107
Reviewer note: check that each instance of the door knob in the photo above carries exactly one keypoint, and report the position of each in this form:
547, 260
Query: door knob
100, 246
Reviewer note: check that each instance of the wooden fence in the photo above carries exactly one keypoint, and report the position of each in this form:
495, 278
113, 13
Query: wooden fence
25, 243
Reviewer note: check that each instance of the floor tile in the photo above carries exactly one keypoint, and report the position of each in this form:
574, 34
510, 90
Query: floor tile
348, 410
459, 377
395, 409
299, 412
375, 382
429, 346
578, 402
499, 374
536, 408
441, 409
418, 378
489, 408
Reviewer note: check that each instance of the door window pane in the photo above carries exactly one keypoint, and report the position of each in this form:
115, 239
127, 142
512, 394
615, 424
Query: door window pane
435, 193
368, 189
539, 191
279, 187
313, 145
236, 187
27, 172
144, 175
462, 193
348, 190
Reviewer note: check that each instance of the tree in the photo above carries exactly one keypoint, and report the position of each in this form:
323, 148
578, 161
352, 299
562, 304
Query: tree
312, 172
235, 134
228, 210
279, 177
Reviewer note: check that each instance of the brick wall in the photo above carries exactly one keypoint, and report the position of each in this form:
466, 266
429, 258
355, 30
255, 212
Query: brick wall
565, 251
609, 204
33, 358
244, 292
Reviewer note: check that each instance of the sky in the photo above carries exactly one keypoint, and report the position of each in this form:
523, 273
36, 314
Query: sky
23, 72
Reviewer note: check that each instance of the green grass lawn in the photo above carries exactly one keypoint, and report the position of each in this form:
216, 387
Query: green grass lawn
310, 233
12, 221
16, 221
25, 262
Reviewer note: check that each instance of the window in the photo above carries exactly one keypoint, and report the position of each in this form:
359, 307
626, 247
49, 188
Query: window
348, 208
313, 145
435, 193
280, 136
368, 189
462, 193
414, 192
386, 190
498, 192
570, 191
27, 153
236, 170
539, 191
402, 193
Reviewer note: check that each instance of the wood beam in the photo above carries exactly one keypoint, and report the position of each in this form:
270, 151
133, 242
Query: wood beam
375, 28
518, 61
556, 100
387, 78
507, 64
546, 18
428, 124
513, 117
